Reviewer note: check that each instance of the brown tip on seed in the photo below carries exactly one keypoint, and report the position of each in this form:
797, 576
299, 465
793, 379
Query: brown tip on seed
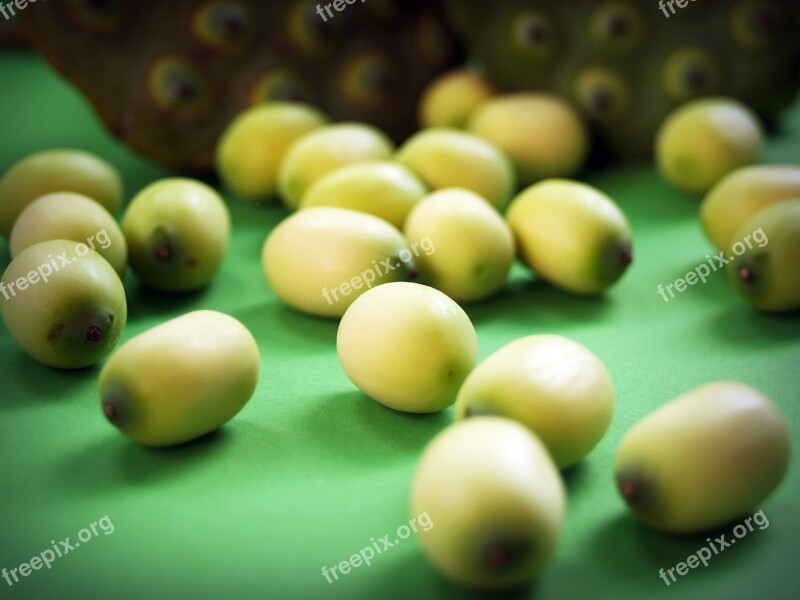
600, 100
618, 26
93, 333
640, 491
55, 332
746, 274
629, 489
504, 553
497, 555
163, 252
536, 33
233, 22
696, 77
626, 257
413, 272
109, 410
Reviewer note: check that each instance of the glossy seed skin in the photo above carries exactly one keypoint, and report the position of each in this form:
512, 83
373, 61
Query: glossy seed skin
380, 339
178, 231
496, 502
75, 217
181, 379
63, 303
704, 458
62, 170
572, 235
554, 386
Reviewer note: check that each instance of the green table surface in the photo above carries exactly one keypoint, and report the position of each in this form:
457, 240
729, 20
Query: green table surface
311, 469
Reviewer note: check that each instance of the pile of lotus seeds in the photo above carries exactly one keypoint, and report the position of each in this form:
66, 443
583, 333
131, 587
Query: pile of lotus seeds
403, 237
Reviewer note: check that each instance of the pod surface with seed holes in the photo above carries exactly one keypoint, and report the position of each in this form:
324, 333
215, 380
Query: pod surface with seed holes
319, 260
177, 231
251, 148
571, 234
496, 501
556, 387
181, 379
767, 274
324, 150
75, 217
741, 194
472, 247
703, 459
407, 346
57, 171
446, 158
67, 306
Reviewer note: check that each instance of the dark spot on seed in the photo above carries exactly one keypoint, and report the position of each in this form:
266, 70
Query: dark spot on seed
182, 91
629, 490
93, 333
55, 332
504, 552
118, 407
696, 77
536, 33
600, 101
163, 252
497, 556
618, 26
638, 490
110, 411
626, 257
233, 23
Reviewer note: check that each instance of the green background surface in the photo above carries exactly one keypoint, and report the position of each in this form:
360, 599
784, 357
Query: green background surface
311, 469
